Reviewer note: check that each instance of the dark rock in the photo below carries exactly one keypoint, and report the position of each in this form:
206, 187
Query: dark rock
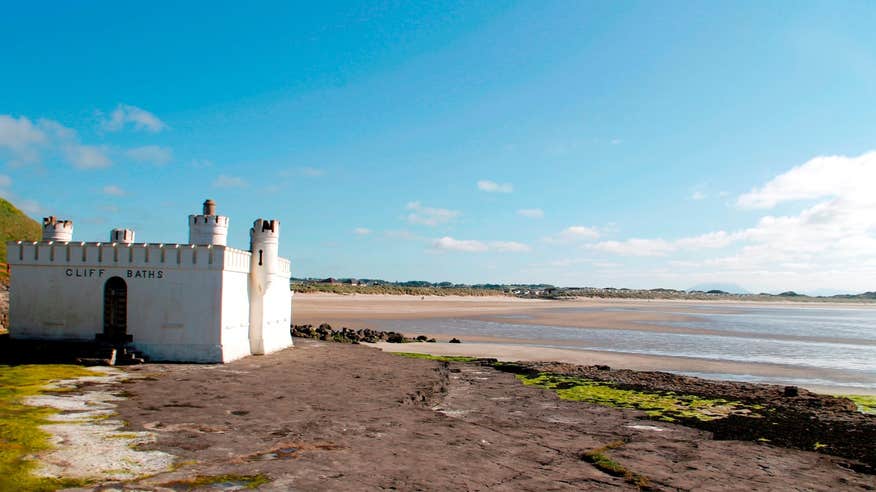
791, 391
455, 340
395, 338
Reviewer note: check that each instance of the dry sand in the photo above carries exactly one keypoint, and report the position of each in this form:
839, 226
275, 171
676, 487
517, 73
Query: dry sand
367, 311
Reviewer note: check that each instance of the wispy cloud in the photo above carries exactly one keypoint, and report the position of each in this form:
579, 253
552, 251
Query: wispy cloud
139, 118
152, 154
20, 140
573, 234
494, 187
509, 247
448, 243
87, 156
113, 190
307, 171
418, 214
531, 213
361, 231
226, 181
23, 142
698, 195
635, 247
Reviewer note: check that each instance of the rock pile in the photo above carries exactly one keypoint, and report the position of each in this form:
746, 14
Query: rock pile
347, 335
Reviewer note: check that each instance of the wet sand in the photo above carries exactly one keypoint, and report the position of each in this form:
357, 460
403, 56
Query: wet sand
367, 311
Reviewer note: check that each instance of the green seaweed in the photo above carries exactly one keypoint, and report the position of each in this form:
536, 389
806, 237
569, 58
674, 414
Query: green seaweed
866, 403
20, 433
665, 406
248, 481
599, 459
442, 358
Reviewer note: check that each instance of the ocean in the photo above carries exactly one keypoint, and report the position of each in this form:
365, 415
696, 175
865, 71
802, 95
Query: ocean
828, 346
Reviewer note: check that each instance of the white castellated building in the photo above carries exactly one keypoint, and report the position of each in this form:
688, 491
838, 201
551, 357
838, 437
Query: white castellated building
196, 302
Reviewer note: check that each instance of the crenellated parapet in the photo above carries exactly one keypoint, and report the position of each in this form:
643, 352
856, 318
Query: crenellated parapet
156, 255
125, 236
57, 230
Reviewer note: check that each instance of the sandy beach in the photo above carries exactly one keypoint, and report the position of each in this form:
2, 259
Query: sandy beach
370, 311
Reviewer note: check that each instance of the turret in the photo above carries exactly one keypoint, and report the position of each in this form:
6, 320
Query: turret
124, 236
264, 243
57, 230
208, 228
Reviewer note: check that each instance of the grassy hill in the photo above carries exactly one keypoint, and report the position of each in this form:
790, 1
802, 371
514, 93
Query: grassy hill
14, 225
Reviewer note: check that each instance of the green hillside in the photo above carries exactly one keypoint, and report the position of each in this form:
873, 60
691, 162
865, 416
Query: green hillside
14, 225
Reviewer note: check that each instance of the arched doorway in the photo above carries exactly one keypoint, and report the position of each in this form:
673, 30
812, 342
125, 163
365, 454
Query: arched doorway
115, 310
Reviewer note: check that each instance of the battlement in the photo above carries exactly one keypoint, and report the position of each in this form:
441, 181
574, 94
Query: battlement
219, 220
285, 267
57, 230
146, 255
125, 236
265, 229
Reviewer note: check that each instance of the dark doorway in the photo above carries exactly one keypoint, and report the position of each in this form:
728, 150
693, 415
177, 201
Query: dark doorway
115, 310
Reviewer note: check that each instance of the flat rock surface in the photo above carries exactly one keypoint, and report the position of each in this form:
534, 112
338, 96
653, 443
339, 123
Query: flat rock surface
326, 416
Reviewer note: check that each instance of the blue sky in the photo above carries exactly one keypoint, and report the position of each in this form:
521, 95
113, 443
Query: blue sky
637, 144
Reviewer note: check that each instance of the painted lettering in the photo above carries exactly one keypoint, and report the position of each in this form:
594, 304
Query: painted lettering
69, 272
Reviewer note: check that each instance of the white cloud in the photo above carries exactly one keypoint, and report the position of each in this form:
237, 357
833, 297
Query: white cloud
25, 142
635, 247
113, 190
662, 247
509, 247
531, 213
717, 239
225, 181
827, 244
698, 195
152, 154
428, 215
20, 139
87, 156
447, 243
850, 178
141, 119
493, 187
573, 234
361, 231
616, 141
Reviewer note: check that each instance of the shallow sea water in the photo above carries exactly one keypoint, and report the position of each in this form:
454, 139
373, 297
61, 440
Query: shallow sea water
842, 340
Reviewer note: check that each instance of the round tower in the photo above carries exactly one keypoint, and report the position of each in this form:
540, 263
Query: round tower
123, 236
264, 242
208, 228
57, 230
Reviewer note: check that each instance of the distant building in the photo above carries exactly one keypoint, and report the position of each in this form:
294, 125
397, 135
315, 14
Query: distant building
196, 302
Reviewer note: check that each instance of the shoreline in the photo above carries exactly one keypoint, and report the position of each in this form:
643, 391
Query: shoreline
375, 310
637, 362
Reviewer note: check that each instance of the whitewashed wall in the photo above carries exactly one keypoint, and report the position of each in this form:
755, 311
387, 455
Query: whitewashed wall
174, 294
185, 302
